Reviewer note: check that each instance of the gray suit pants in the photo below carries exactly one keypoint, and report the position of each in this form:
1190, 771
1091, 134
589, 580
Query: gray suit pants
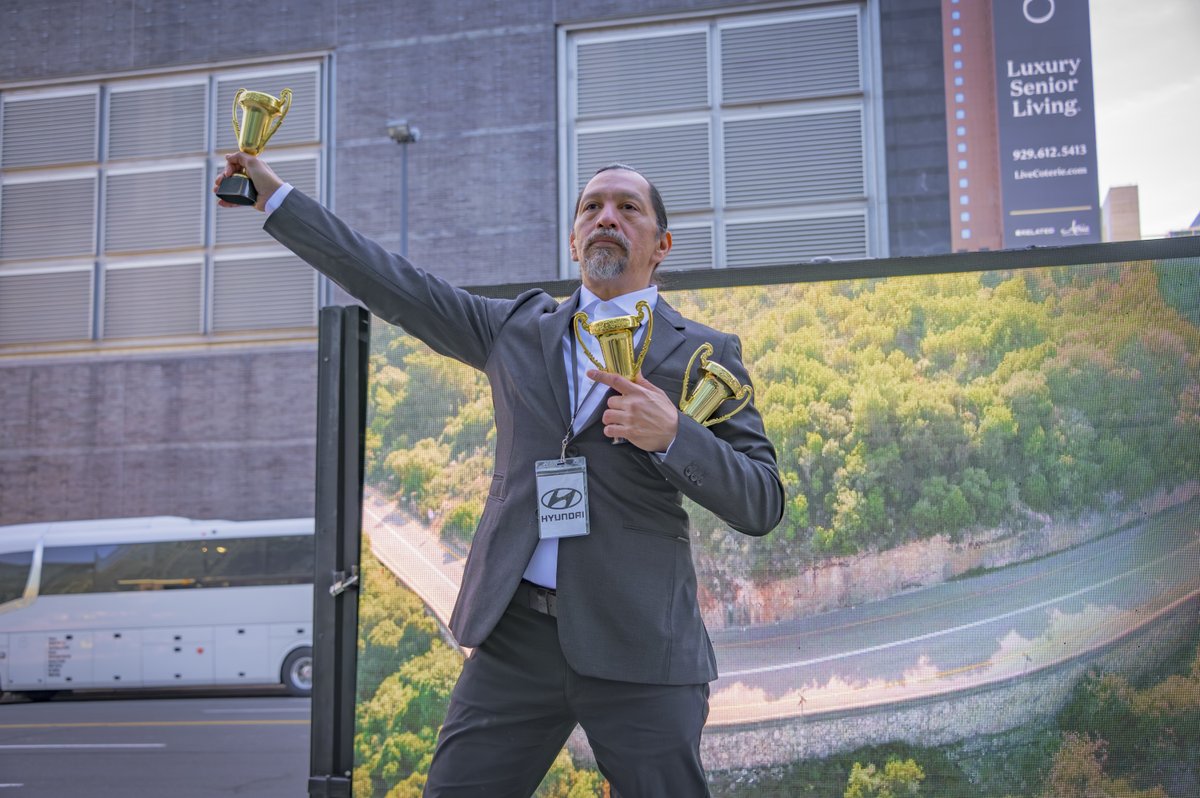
517, 701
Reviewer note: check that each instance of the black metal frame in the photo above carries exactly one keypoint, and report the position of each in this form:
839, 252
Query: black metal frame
912, 265
342, 350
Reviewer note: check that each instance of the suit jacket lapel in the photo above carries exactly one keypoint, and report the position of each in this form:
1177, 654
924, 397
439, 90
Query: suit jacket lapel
553, 326
668, 335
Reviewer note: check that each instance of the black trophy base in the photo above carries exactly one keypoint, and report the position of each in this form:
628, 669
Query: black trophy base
237, 189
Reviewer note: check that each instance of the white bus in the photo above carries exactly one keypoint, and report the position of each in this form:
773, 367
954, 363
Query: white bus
152, 602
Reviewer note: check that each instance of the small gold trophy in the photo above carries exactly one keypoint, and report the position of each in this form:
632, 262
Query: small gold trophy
259, 123
717, 384
616, 340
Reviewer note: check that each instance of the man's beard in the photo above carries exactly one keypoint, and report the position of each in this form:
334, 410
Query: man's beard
605, 263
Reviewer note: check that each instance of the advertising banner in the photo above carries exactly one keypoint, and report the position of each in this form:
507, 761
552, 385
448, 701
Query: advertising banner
988, 437
1046, 121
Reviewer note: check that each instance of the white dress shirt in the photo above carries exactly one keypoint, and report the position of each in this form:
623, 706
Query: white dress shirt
276, 199
543, 566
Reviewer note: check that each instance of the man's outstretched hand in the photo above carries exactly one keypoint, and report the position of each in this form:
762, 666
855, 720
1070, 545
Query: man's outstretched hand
265, 181
639, 412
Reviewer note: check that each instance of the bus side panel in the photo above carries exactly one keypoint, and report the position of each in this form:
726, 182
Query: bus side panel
69, 659
27, 662
180, 655
117, 658
242, 654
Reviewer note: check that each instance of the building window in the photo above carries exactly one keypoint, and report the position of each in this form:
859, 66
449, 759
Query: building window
760, 130
108, 228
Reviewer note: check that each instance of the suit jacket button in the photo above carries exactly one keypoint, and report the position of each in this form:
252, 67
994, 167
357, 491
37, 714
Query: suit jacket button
572, 451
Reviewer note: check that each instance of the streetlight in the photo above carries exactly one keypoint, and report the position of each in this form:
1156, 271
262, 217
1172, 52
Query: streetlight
401, 132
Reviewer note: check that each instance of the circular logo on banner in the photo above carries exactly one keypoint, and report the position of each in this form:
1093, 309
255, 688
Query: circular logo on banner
561, 498
1043, 17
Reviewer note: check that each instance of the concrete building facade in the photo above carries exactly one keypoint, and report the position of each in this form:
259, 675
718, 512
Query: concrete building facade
1121, 215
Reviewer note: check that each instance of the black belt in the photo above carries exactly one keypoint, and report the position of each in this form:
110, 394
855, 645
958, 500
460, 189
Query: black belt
537, 598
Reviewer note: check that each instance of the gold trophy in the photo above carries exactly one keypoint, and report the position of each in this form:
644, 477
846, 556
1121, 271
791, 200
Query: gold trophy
259, 123
717, 384
616, 340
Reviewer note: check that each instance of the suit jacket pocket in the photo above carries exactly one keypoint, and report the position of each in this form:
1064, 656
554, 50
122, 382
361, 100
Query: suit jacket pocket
496, 491
666, 534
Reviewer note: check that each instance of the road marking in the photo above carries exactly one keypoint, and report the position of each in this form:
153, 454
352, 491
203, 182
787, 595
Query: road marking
719, 716
253, 711
962, 627
420, 555
2, 786
79, 746
135, 724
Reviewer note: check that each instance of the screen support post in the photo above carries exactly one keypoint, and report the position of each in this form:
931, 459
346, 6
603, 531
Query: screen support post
342, 352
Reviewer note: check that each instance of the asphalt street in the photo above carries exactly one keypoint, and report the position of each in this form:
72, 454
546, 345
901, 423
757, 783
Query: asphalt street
191, 747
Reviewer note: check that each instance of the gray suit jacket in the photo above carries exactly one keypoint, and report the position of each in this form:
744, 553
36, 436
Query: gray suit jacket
627, 607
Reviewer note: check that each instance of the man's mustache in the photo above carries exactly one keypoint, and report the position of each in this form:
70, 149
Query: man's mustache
606, 235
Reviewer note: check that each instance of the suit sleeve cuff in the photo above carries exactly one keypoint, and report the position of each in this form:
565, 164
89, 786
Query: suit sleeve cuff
277, 199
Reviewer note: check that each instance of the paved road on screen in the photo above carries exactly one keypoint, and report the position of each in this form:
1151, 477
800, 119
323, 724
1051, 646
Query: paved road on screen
935, 640
961, 634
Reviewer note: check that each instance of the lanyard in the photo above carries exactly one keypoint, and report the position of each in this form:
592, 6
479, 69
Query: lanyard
579, 401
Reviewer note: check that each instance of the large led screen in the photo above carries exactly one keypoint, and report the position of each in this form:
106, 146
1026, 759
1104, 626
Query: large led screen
986, 579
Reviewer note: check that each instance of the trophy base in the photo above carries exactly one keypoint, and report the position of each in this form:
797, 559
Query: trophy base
238, 190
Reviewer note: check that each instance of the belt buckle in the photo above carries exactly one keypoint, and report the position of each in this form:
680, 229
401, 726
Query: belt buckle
543, 600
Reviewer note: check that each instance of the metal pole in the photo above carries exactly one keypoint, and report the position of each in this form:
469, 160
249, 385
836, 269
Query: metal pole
404, 198
341, 412
401, 132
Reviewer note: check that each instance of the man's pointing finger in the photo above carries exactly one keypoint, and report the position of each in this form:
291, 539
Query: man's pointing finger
614, 381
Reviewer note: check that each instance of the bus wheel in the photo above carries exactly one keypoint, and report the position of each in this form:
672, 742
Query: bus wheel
40, 695
297, 672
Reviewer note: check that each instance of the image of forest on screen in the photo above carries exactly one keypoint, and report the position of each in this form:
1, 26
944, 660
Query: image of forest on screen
1010, 457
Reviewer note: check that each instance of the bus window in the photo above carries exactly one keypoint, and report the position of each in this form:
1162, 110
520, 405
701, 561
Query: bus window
68, 569
180, 563
290, 559
14, 573
235, 563
125, 566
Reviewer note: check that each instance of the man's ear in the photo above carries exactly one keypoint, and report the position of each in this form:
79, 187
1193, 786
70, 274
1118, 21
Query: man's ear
571, 244
663, 247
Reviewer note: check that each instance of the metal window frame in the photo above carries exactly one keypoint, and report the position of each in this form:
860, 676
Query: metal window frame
867, 100
149, 262
103, 86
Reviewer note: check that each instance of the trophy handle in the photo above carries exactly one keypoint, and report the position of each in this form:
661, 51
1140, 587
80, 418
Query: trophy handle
744, 394
237, 131
643, 305
286, 97
706, 349
581, 319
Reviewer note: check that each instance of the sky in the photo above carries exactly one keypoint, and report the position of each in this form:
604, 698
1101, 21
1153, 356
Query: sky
1146, 68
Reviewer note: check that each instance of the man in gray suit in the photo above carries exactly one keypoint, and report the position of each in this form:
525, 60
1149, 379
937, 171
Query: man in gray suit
590, 617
